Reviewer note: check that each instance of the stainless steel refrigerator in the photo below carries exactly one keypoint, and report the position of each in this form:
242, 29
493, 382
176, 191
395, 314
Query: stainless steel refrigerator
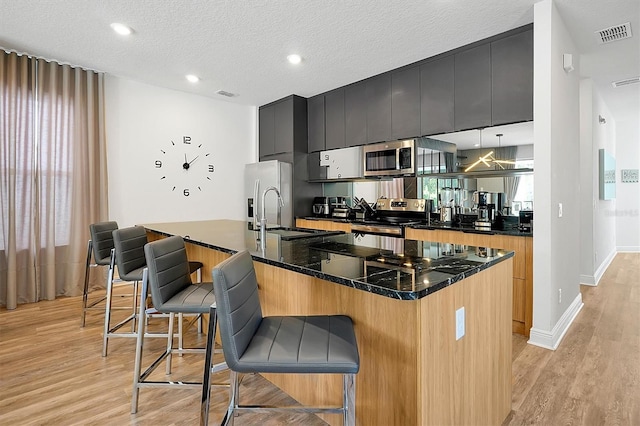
260, 176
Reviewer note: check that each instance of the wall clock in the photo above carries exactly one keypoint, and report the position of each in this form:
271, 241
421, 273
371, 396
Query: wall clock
185, 166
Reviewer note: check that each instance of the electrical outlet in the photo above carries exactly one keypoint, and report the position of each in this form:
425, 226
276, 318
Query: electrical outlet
559, 209
460, 323
559, 295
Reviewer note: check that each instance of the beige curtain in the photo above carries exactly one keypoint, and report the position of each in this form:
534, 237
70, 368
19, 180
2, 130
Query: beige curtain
53, 176
510, 182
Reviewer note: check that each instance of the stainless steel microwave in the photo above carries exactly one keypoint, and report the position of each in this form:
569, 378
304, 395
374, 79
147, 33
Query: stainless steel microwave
409, 157
390, 158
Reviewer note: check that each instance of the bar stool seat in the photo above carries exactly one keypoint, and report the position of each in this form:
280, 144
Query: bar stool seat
251, 343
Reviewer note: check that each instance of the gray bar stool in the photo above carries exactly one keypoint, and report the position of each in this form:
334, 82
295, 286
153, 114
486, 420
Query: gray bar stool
252, 343
128, 256
167, 277
99, 247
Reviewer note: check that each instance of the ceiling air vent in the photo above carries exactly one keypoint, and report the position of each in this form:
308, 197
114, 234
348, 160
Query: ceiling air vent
615, 33
626, 82
227, 94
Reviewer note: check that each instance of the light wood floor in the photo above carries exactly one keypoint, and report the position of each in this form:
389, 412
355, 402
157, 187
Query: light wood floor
593, 378
51, 370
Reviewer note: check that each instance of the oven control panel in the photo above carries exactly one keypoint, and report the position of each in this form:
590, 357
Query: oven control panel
401, 204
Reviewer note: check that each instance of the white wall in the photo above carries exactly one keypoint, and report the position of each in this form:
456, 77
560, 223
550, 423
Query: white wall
627, 194
557, 171
598, 217
141, 120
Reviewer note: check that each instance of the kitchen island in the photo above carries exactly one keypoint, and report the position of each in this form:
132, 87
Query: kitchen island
403, 296
521, 243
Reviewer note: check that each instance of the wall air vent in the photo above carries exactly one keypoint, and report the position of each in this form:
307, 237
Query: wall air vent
626, 82
615, 33
227, 94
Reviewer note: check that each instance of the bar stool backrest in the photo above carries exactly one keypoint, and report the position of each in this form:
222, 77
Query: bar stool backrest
168, 269
238, 307
102, 241
129, 250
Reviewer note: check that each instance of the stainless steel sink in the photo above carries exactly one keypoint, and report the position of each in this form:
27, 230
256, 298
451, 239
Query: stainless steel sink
287, 233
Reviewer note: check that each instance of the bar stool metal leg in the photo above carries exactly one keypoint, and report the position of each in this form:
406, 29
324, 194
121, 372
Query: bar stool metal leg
208, 362
349, 400
85, 292
107, 309
139, 342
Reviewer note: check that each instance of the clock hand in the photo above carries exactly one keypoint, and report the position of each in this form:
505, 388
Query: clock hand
194, 159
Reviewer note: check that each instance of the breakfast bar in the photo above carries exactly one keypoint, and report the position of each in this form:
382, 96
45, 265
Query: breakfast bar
432, 319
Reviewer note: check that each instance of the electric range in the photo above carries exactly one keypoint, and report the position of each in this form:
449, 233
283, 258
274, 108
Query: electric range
392, 216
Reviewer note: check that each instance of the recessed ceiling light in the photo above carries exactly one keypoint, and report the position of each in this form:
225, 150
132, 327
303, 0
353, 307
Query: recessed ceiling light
193, 78
476, 144
294, 59
121, 28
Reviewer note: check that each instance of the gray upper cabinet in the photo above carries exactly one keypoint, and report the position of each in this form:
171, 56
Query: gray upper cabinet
512, 78
266, 134
405, 103
379, 108
283, 117
472, 76
487, 83
355, 114
335, 119
437, 96
316, 123
283, 127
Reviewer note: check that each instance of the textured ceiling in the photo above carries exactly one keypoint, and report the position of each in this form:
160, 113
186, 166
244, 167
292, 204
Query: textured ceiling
241, 46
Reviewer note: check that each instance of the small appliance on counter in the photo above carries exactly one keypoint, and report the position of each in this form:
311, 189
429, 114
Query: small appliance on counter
525, 221
321, 207
488, 205
339, 208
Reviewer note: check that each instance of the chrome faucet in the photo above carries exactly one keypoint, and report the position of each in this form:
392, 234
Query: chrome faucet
263, 215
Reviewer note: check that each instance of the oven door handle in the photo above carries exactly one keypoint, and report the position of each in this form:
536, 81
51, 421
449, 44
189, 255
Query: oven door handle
372, 229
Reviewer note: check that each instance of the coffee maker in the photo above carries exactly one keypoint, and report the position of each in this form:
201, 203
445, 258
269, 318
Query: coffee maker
485, 203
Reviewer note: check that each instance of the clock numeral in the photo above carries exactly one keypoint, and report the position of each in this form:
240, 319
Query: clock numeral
186, 192
186, 139
211, 168
158, 164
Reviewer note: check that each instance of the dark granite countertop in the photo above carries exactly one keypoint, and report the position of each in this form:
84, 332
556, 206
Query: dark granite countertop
393, 267
469, 229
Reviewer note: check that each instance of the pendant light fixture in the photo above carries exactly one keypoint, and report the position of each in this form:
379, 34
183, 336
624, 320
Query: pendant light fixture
488, 158
485, 159
501, 162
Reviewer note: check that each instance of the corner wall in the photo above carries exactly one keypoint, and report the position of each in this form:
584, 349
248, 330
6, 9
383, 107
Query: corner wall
141, 120
598, 217
627, 212
556, 288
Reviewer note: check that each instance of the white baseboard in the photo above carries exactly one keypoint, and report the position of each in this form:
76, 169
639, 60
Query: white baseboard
628, 249
594, 279
604, 265
551, 340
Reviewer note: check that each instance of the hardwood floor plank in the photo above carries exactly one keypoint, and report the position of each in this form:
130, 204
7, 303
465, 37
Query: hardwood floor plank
593, 378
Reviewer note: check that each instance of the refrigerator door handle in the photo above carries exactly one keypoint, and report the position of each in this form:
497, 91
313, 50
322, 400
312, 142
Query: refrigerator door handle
256, 203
